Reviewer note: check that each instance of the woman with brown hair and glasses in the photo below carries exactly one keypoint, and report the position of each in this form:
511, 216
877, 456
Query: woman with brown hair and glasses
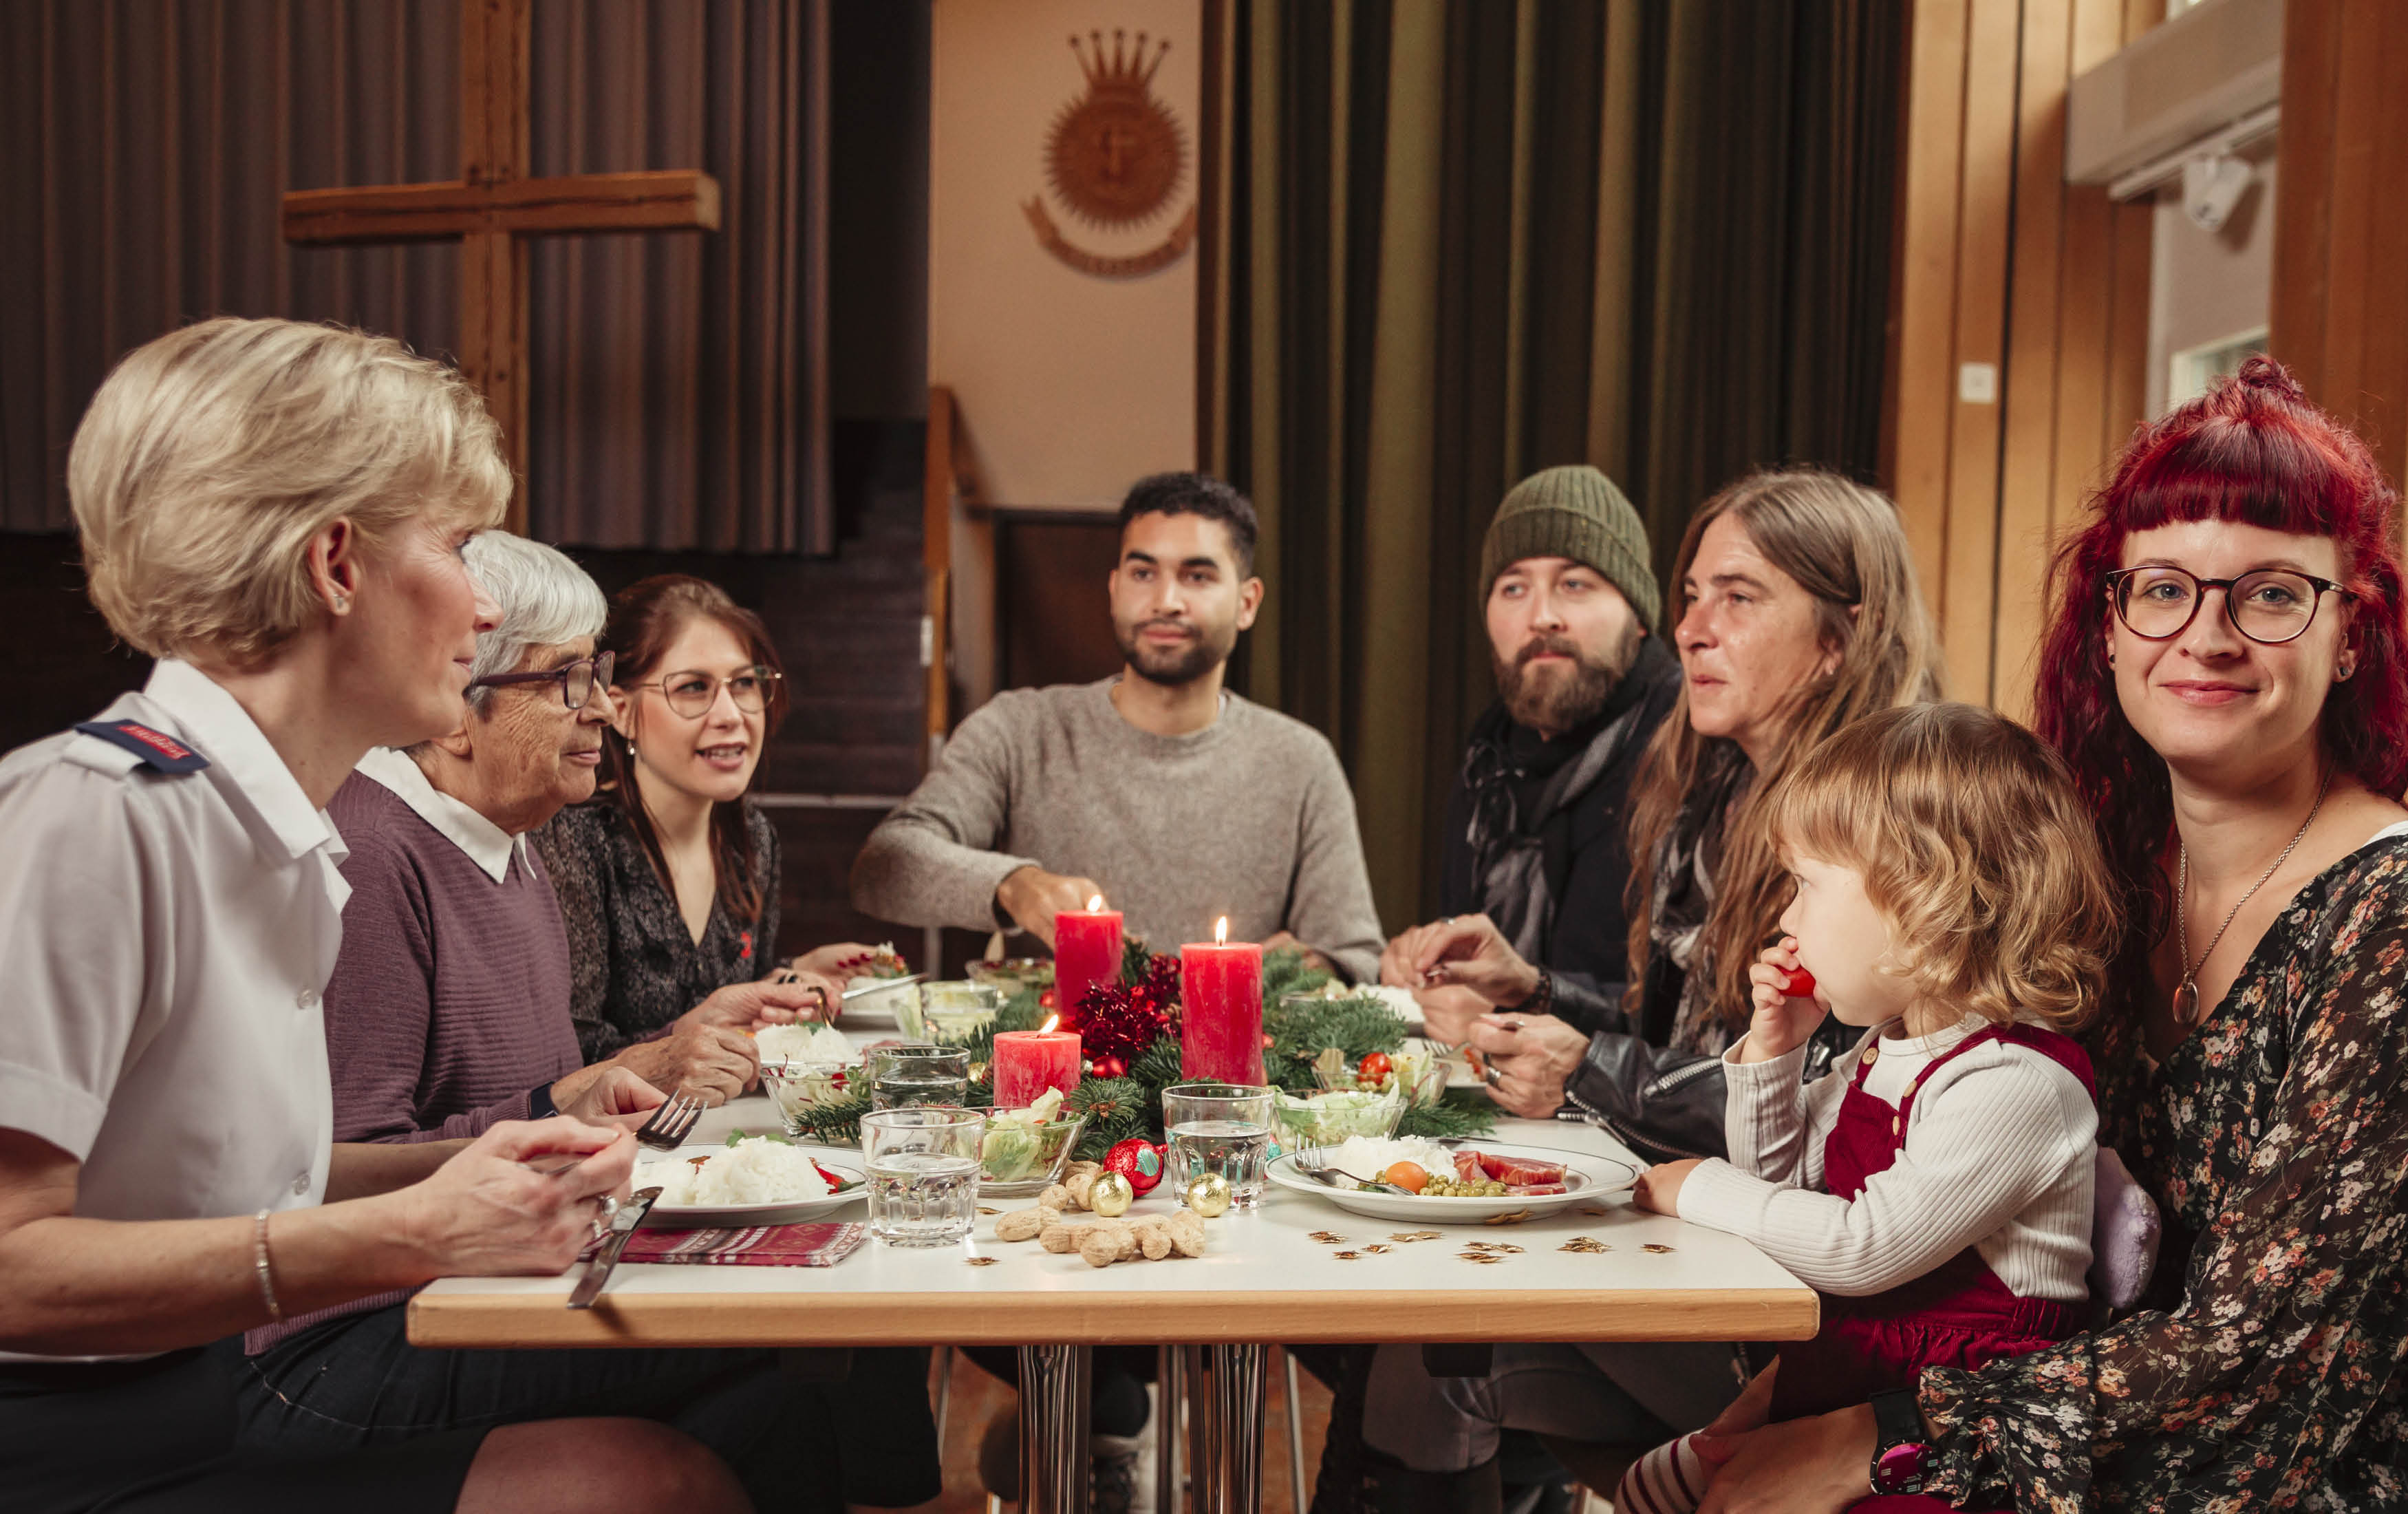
668, 884
669, 879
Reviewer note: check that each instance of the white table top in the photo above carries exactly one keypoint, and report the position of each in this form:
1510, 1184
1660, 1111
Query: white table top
1262, 1279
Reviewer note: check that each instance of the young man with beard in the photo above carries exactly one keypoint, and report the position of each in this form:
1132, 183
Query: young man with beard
1535, 829
1157, 789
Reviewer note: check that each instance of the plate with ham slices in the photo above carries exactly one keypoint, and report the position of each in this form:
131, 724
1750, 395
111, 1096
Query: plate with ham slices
1503, 1178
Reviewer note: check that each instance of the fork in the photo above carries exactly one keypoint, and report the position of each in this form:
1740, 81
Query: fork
1310, 1158
671, 1124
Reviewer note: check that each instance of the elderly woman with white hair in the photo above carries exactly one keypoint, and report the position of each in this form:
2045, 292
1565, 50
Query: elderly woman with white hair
448, 1010
276, 512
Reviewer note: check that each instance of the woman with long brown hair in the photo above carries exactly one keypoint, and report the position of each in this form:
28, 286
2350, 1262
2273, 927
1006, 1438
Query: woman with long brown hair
668, 884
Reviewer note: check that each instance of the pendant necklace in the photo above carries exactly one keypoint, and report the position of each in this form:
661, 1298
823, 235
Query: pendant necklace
2186, 992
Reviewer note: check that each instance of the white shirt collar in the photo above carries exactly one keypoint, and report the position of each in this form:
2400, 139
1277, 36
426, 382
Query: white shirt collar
216, 725
487, 845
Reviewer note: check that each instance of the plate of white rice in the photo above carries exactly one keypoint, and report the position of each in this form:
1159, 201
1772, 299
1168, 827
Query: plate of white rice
806, 1041
755, 1181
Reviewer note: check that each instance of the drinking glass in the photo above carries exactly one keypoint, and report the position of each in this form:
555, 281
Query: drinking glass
956, 1010
924, 1172
1221, 1128
903, 1076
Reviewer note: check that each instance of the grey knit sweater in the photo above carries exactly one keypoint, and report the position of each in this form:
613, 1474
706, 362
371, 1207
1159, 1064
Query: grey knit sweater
1249, 817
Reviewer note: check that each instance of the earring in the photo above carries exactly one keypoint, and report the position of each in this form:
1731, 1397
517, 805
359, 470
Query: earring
2342, 673
2111, 656
342, 603
630, 746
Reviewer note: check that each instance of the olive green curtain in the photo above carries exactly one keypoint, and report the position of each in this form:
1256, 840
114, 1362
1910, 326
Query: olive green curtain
1455, 241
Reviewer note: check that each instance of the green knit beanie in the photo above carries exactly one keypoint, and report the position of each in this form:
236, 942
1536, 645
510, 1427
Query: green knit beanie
1576, 512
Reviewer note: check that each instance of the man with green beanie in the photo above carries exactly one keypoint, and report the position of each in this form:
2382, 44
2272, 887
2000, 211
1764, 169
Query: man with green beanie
1535, 827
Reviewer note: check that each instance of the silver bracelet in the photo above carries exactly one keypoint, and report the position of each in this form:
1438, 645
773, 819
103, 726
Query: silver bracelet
261, 1264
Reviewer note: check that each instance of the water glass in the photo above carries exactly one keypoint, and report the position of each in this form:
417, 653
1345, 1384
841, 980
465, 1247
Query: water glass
901, 1077
1221, 1128
924, 1172
957, 1010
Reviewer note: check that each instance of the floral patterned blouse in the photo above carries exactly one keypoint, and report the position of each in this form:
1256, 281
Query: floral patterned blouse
2277, 1134
633, 966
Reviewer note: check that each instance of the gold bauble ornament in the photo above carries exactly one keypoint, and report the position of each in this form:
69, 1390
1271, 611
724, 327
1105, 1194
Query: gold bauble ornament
1209, 1195
1111, 1195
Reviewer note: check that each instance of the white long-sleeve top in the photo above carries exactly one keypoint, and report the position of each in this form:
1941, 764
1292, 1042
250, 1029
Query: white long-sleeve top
2000, 1153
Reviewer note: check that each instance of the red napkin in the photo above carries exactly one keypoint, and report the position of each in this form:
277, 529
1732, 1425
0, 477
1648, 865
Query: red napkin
763, 1246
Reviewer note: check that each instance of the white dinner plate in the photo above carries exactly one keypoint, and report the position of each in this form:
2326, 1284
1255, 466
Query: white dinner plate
845, 1164
1585, 1177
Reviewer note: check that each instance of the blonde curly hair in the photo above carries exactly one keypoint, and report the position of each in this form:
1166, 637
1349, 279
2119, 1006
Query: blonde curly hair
1972, 841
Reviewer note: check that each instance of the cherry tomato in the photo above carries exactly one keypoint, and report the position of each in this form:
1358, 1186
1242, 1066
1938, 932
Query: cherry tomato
1376, 1066
1408, 1175
1797, 983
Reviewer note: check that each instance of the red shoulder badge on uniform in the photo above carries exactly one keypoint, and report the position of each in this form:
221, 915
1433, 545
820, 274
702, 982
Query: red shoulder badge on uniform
156, 748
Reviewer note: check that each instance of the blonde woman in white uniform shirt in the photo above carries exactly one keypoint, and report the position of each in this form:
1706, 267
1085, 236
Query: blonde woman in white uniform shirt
276, 512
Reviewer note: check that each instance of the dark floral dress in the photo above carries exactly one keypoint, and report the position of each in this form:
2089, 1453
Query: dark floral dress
2277, 1136
633, 967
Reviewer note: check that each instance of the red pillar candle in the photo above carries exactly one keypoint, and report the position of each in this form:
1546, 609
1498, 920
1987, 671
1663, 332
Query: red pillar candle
1027, 1062
1221, 1010
1086, 951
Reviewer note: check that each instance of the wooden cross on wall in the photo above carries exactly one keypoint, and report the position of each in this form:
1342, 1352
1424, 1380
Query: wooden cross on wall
492, 207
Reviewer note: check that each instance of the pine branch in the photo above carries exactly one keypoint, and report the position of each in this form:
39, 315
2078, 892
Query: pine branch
1461, 1112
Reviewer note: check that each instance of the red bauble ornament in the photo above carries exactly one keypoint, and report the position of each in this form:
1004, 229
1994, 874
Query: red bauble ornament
1045, 998
1108, 1066
1138, 1160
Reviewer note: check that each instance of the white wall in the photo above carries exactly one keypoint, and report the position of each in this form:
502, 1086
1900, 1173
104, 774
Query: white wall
2208, 285
1071, 387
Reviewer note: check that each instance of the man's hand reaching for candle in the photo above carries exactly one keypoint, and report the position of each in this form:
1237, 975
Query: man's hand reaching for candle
1032, 896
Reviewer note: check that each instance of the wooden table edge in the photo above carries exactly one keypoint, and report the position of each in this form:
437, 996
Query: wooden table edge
488, 1320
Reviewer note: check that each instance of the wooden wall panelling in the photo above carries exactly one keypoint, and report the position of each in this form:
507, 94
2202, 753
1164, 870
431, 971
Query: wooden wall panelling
1968, 587
1923, 384
2001, 262
2045, 273
2303, 188
2340, 245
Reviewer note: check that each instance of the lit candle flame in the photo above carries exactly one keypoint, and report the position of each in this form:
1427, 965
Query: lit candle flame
1051, 1022
1221, 932
1095, 902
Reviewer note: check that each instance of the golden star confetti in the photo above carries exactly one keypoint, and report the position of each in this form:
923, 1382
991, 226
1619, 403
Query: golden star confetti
1588, 1244
1655, 1246
1376, 1249
1326, 1238
982, 1262
1416, 1235
1346, 1256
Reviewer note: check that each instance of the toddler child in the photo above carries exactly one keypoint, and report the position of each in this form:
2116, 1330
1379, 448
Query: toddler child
1936, 1187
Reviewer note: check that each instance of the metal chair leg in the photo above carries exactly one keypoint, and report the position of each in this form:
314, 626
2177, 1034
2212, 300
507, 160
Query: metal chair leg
1295, 1437
944, 1359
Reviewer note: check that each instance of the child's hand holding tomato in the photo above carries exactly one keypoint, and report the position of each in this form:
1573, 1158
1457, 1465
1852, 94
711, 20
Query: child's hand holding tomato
1788, 1008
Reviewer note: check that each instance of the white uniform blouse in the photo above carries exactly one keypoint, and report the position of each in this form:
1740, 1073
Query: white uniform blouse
164, 942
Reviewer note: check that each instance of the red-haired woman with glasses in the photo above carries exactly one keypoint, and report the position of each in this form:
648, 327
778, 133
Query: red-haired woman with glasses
2223, 676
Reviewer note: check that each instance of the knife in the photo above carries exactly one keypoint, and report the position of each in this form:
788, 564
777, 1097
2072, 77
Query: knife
622, 1224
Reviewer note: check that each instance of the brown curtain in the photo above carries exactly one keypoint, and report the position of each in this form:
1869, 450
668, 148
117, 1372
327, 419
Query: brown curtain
679, 378
1457, 241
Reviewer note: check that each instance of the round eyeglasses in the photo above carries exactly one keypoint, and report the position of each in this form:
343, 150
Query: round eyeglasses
2270, 606
577, 680
693, 694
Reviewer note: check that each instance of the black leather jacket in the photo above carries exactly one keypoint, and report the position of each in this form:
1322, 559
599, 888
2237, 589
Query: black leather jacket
1662, 1104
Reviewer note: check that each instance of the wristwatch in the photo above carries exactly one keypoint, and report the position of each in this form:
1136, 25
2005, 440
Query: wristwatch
1902, 1455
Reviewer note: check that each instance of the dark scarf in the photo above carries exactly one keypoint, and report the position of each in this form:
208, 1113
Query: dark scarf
1682, 895
1517, 781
